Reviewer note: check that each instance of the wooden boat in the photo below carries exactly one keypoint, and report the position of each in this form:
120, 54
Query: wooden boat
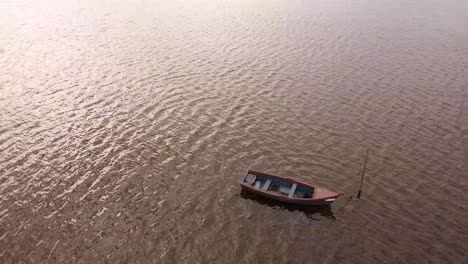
286, 189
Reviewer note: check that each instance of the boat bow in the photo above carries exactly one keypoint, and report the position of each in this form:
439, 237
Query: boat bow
322, 193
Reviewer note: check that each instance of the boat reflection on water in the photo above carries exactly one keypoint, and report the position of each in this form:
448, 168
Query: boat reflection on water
308, 210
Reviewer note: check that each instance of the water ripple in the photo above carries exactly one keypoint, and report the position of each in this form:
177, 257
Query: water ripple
125, 127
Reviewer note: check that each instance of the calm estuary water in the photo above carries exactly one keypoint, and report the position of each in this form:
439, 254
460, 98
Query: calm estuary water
125, 127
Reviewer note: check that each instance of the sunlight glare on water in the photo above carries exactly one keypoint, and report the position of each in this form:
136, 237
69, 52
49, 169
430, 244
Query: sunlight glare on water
125, 127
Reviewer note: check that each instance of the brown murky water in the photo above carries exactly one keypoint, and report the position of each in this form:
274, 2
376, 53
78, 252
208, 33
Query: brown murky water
125, 127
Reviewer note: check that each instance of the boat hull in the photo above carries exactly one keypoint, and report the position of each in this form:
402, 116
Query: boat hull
319, 202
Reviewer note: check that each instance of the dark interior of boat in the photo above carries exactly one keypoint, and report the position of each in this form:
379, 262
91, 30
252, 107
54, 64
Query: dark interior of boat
279, 186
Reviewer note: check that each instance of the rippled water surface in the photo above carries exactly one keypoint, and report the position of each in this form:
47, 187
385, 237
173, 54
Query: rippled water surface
125, 127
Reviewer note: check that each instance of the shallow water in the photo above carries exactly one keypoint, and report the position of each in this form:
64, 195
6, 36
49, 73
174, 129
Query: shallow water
126, 126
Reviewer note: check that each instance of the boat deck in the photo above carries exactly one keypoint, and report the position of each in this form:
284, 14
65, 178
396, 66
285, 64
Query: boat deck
321, 193
279, 186
287, 189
